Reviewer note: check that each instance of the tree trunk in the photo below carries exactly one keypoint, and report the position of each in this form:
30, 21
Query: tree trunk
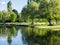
50, 24
32, 21
56, 21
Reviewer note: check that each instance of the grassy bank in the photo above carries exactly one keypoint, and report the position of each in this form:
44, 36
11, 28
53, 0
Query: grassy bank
36, 25
57, 27
15, 24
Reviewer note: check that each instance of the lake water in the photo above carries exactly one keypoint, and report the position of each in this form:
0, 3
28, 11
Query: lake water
28, 36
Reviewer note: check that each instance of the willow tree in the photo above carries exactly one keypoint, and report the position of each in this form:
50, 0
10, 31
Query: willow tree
24, 13
56, 10
44, 10
53, 10
31, 9
49, 9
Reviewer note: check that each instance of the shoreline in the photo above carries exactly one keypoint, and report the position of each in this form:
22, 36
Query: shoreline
29, 25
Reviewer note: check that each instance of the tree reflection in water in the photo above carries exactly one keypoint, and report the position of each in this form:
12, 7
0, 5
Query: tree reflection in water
31, 36
34, 36
9, 32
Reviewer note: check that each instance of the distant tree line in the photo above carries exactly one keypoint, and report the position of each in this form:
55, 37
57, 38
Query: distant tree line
42, 9
47, 10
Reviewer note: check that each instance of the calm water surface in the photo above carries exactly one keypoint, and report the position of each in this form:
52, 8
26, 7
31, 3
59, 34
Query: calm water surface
28, 36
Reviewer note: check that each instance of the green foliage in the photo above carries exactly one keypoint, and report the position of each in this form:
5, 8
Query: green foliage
35, 9
13, 31
49, 10
5, 15
13, 17
30, 10
24, 14
9, 16
9, 6
1, 16
33, 6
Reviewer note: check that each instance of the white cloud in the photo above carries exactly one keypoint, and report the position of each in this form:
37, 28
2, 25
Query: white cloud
3, 2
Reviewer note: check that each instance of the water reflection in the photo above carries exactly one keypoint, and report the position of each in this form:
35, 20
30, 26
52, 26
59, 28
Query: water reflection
34, 36
8, 32
28, 36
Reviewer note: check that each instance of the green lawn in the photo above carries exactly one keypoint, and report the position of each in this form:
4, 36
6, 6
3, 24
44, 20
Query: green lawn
38, 25
57, 27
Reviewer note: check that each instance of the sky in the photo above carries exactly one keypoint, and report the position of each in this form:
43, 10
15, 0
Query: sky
16, 4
